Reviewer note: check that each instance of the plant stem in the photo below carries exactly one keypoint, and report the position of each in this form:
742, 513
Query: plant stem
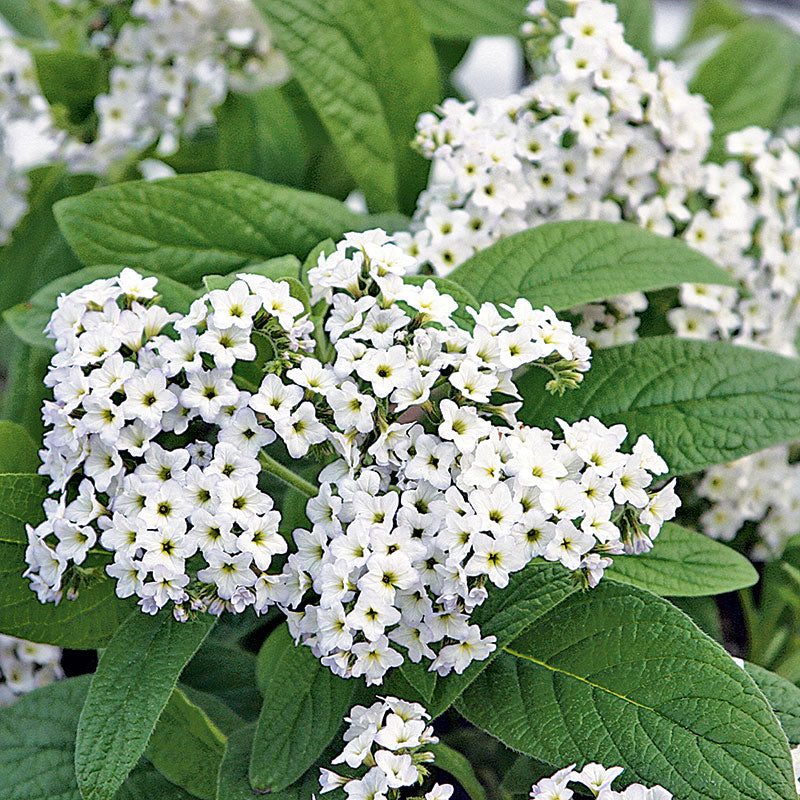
286, 475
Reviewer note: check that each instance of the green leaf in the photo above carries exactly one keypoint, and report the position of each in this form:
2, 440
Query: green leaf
710, 17
458, 292
637, 17
685, 563
563, 264
229, 673
701, 403
86, 622
620, 676
233, 778
37, 253
37, 749
261, 134
29, 319
70, 78
18, 452
193, 225
747, 79
304, 703
457, 765
23, 18
467, 19
134, 680
783, 697
391, 39
505, 614
24, 390
37, 742
336, 80
186, 747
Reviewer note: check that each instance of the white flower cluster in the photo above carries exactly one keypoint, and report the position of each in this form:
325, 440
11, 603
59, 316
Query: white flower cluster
597, 779
174, 62
25, 666
763, 488
152, 450
598, 136
389, 738
438, 489
20, 101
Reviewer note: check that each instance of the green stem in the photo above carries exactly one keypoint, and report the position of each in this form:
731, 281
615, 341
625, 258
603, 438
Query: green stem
286, 475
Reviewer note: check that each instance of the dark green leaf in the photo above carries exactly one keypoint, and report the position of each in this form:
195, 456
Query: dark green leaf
37, 749
134, 680
563, 264
227, 672
457, 765
617, 675
24, 390
702, 403
685, 563
304, 703
186, 747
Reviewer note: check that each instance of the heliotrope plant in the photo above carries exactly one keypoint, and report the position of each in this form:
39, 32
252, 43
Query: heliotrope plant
439, 512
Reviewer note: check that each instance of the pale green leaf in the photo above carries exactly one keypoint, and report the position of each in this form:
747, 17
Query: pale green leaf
563, 264
194, 225
685, 563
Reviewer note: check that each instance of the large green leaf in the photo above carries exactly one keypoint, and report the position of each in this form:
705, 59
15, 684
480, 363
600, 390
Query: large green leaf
621, 676
37, 749
134, 680
86, 622
29, 319
391, 39
187, 747
685, 563
702, 403
194, 225
336, 80
505, 614
18, 452
783, 697
637, 17
748, 78
711, 17
304, 703
563, 264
